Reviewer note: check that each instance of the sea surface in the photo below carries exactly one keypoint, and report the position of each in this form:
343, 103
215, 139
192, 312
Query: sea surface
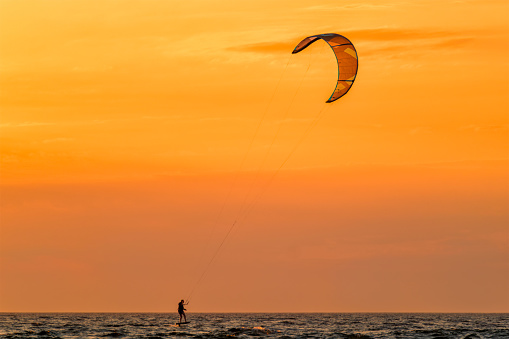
250, 325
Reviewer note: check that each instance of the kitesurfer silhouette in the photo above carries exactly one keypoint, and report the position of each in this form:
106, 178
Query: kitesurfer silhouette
181, 310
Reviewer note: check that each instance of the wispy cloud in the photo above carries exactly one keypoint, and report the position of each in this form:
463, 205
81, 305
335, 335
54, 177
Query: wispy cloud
51, 141
85, 122
265, 47
420, 130
467, 163
387, 39
485, 128
26, 124
398, 34
359, 6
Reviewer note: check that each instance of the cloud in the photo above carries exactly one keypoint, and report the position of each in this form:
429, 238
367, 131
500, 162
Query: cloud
421, 130
397, 43
26, 124
454, 42
485, 128
396, 34
480, 2
348, 7
376, 40
467, 163
50, 141
265, 47
9, 159
82, 123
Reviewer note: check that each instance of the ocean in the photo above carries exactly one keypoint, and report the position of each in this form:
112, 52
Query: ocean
250, 325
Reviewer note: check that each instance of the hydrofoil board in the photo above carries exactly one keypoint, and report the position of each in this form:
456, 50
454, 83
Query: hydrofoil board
185, 322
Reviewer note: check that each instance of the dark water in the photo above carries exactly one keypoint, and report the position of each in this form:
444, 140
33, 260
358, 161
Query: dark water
248, 325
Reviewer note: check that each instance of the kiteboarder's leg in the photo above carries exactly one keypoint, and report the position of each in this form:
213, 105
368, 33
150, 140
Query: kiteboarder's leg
184, 314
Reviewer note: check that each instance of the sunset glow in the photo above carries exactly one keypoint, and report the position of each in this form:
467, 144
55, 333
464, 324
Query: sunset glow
127, 152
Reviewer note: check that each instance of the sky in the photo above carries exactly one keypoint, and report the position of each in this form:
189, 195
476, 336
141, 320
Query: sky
153, 151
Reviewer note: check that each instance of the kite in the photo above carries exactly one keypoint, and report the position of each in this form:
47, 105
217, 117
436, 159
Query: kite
346, 56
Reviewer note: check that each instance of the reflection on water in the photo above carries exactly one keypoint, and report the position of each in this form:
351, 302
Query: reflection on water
247, 325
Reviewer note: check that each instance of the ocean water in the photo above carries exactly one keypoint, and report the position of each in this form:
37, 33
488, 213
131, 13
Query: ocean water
250, 325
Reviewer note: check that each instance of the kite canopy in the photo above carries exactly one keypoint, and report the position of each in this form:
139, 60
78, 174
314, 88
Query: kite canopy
345, 55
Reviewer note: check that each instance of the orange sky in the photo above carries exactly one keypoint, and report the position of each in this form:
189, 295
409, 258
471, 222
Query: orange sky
124, 124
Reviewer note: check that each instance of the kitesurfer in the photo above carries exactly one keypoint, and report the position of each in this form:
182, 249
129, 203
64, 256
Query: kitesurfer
181, 310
